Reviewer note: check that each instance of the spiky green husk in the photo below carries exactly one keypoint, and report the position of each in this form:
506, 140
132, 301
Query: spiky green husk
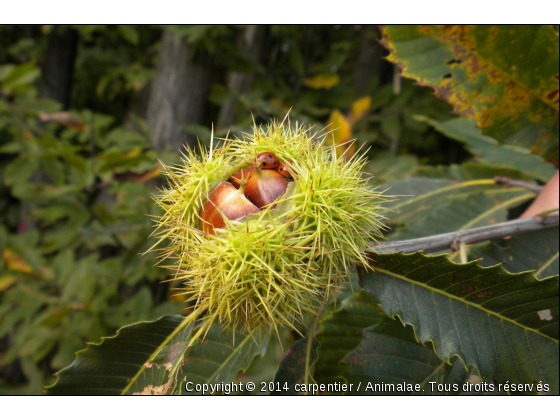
272, 268
188, 186
251, 278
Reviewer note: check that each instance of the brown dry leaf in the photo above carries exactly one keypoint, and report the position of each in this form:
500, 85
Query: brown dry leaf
63, 118
154, 390
141, 178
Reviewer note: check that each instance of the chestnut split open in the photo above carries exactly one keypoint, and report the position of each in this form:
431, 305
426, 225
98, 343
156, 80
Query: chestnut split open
246, 192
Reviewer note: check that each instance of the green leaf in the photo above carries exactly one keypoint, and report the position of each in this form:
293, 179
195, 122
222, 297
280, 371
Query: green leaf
358, 343
53, 168
19, 76
5, 71
391, 127
136, 359
503, 76
532, 251
160, 376
419, 196
389, 356
383, 359
82, 283
341, 332
129, 33
220, 357
201, 132
291, 370
136, 307
20, 170
487, 150
388, 168
469, 171
475, 210
34, 105
491, 319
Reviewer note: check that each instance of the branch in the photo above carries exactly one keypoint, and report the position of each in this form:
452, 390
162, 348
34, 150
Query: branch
508, 182
470, 236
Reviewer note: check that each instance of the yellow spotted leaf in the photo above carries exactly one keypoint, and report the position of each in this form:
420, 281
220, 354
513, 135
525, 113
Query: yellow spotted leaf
503, 76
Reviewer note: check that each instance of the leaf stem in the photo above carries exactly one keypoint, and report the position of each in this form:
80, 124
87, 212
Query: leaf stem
463, 253
310, 337
191, 342
444, 241
191, 318
545, 213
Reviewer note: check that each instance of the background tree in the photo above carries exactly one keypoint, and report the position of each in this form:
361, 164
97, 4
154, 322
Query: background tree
179, 91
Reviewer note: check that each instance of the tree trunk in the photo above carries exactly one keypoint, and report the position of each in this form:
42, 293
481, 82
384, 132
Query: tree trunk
58, 69
370, 60
57, 78
252, 44
179, 92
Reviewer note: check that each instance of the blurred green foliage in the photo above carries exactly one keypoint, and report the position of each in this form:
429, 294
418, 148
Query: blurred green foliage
76, 186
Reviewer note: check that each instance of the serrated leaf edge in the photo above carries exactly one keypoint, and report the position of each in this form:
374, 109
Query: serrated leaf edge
474, 305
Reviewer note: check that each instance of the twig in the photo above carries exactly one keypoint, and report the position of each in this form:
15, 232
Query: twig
470, 236
396, 80
508, 182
